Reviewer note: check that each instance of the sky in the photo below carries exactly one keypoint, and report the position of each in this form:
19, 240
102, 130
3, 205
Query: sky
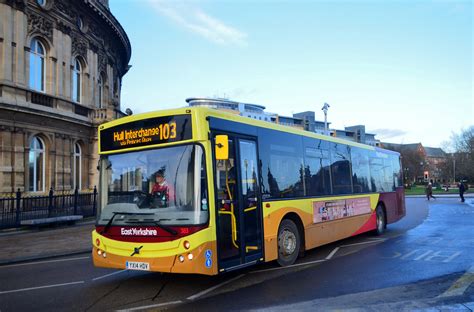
404, 69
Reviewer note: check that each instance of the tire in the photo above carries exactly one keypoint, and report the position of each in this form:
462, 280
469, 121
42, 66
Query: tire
380, 223
289, 242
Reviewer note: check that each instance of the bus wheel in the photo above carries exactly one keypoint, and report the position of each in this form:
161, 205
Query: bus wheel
380, 221
288, 242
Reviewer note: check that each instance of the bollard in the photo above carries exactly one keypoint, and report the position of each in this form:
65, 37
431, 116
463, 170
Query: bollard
94, 201
76, 193
50, 201
18, 203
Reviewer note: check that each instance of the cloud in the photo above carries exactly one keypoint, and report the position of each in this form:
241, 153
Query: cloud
383, 134
197, 21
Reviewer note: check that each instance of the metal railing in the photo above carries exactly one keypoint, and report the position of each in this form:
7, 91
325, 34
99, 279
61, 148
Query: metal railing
20, 207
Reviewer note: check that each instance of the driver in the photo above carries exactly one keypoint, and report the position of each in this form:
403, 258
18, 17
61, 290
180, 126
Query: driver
161, 188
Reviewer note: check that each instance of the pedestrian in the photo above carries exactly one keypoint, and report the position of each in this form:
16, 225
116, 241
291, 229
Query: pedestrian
429, 191
462, 189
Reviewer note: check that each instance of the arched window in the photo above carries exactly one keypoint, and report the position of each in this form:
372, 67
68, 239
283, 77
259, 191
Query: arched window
37, 68
76, 81
77, 166
100, 91
36, 164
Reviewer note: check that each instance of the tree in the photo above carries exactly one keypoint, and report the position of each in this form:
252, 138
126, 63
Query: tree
463, 156
412, 161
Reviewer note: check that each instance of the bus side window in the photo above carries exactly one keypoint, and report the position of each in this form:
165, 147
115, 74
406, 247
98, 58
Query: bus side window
282, 165
316, 172
341, 169
360, 170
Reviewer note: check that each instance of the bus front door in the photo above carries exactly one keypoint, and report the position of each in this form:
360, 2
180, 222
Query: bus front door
239, 234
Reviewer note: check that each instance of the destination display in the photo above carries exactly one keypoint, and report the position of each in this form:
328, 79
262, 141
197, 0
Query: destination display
146, 132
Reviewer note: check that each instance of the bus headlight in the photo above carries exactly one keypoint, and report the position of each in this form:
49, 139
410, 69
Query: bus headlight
181, 258
99, 252
190, 256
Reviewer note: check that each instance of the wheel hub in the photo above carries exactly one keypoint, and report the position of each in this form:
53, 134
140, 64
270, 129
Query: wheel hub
379, 221
288, 243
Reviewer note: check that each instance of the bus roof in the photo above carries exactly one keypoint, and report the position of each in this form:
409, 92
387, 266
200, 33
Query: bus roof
203, 112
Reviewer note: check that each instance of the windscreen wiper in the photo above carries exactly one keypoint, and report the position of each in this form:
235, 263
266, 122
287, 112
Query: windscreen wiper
115, 213
158, 224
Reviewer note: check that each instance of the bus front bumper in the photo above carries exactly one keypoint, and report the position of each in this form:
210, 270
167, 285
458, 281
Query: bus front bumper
168, 257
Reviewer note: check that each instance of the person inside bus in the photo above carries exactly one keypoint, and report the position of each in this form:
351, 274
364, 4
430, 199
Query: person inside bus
161, 190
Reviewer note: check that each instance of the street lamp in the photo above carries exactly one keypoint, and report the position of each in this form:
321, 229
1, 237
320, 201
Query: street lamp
422, 179
325, 110
454, 170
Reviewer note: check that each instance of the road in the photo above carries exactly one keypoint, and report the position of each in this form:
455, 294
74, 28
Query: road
426, 259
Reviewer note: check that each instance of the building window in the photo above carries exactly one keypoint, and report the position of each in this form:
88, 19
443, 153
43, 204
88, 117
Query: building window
76, 81
36, 165
77, 166
37, 68
100, 91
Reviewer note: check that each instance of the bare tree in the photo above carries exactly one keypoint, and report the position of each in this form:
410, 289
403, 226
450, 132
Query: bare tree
413, 163
463, 145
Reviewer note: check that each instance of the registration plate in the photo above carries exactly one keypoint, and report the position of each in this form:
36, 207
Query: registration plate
142, 266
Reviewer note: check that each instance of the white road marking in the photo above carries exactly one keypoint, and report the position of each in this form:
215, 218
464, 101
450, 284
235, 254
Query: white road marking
459, 287
329, 257
332, 253
412, 253
107, 275
39, 287
193, 297
152, 306
42, 262
202, 293
364, 243
290, 266
422, 255
376, 238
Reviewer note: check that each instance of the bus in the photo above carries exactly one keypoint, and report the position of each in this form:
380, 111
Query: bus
202, 191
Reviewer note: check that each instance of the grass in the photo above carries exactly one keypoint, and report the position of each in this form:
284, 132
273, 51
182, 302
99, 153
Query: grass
420, 190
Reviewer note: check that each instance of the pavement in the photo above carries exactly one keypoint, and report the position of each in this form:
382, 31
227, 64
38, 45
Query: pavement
21, 245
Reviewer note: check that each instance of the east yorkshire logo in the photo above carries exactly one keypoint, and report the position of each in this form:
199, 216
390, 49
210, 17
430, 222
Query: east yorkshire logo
138, 232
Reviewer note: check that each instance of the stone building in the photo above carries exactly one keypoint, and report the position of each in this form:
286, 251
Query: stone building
421, 163
61, 65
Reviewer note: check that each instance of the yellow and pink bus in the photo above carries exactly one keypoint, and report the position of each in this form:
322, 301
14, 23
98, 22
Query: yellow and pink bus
197, 190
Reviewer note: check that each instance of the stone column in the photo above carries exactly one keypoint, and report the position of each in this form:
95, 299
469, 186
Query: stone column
19, 30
